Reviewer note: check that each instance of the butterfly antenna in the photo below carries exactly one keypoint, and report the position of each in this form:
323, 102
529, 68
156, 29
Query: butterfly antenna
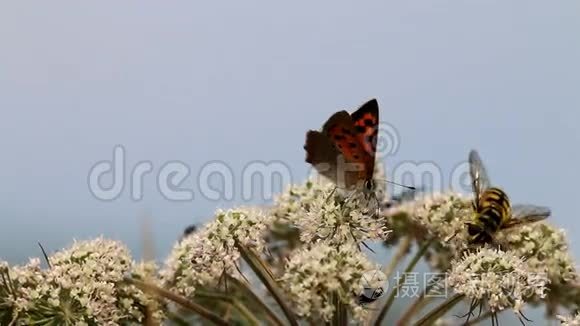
398, 184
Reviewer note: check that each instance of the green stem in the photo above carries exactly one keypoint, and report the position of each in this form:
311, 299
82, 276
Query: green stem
248, 291
402, 251
440, 310
233, 302
340, 317
336, 317
416, 306
184, 302
410, 267
265, 275
343, 313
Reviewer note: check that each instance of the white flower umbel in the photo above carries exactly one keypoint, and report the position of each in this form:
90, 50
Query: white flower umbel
134, 299
570, 320
202, 258
498, 279
15, 282
84, 285
292, 203
316, 275
323, 212
442, 215
545, 249
439, 216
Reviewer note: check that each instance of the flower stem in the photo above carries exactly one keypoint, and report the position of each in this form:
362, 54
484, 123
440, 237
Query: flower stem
233, 302
247, 290
410, 267
336, 316
416, 306
184, 302
402, 251
265, 275
440, 310
340, 317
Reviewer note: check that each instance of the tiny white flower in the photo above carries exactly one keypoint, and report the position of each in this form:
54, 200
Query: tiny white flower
313, 275
203, 257
570, 320
84, 284
500, 279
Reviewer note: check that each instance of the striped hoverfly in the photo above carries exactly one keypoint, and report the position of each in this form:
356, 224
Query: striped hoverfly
493, 210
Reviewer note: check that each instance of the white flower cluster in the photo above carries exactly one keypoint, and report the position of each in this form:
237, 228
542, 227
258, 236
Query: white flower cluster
12, 281
439, 216
203, 257
84, 285
299, 198
340, 221
500, 279
570, 320
545, 249
323, 212
442, 215
316, 275
133, 298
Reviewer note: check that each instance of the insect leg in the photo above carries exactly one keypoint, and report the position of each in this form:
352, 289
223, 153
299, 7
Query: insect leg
331, 193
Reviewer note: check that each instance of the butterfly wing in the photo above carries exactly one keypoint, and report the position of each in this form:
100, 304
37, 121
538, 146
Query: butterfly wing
524, 214
345, 152
479, 178
340, 130
321, 153
366, 128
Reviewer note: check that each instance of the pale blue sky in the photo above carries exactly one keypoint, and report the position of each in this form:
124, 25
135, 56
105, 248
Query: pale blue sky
243, 81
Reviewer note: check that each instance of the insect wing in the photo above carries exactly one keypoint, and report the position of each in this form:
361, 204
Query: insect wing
366, 128
321, 153
341, 132
344, 151
479, 178
524, 214
340, 129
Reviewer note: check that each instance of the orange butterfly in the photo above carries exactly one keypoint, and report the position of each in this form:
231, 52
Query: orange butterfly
345, 150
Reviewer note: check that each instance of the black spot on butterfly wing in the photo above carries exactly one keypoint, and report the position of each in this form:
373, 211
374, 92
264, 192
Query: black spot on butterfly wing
365, 121
323, 155
359, 129
340, 129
